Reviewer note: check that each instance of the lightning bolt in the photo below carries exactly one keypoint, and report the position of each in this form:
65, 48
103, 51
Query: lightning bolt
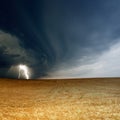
23, 69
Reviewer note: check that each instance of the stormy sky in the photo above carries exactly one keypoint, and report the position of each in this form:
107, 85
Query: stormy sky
60, 38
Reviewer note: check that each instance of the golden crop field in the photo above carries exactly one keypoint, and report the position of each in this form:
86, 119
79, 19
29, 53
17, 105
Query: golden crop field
70, 99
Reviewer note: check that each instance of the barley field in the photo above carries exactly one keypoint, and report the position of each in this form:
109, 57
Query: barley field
70, 99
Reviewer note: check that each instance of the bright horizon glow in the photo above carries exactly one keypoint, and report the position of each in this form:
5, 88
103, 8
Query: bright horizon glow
24, 70
105, 65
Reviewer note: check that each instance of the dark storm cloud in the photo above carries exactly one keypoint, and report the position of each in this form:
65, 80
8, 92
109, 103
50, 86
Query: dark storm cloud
54, 35
11, 53
76, 28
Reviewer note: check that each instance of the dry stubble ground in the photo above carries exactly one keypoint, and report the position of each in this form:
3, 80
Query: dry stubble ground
75, 99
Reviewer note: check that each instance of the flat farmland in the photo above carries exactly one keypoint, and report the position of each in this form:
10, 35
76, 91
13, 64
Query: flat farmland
63, 99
